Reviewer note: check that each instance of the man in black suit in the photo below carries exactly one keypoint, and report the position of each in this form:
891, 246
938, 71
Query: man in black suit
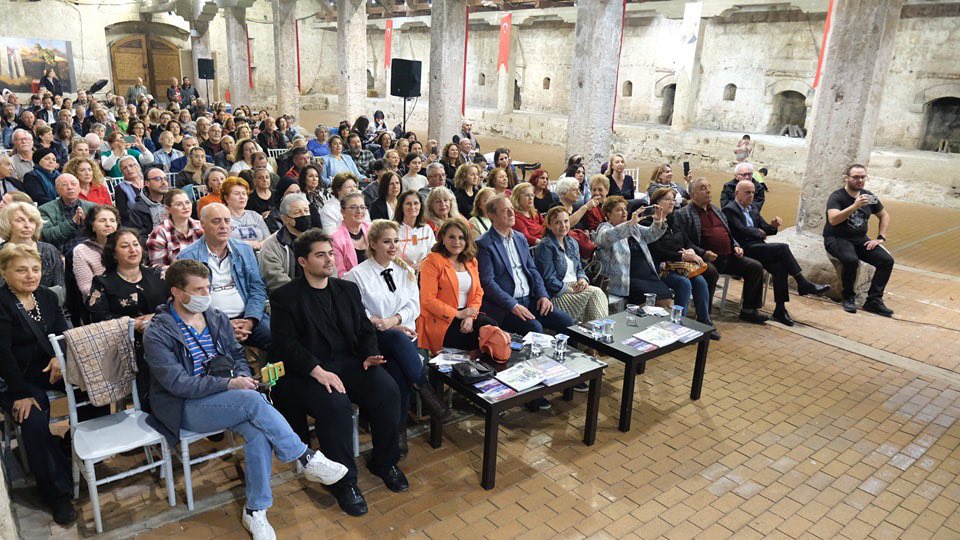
743, 171
329, 349
751, 231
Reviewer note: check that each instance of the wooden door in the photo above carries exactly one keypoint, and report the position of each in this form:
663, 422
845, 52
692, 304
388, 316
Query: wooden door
164, 65
129, 58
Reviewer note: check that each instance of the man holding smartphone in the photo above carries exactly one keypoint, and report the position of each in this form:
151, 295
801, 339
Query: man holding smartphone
845, 237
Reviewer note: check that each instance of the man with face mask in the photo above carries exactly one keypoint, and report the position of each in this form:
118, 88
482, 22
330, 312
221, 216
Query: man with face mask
179, 344
277, 262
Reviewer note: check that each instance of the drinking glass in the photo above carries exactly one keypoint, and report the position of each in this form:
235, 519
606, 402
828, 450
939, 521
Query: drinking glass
608, 332
676, 313
560, 345
650, 300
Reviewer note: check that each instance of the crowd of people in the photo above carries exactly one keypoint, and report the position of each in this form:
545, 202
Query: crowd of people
340, 252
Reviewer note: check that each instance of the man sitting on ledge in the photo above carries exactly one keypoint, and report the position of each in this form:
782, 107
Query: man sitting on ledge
750, 230
845, 237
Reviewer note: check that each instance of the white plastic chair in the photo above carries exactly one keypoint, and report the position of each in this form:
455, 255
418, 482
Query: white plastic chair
98, 439
276, 152
189, 437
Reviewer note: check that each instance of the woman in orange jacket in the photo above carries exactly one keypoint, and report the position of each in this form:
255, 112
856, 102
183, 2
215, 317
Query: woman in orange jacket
450, 292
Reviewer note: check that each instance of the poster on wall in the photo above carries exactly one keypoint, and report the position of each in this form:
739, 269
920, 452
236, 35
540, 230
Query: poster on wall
24, 60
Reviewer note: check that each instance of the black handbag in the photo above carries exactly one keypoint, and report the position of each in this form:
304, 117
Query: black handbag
219, 365
471, 372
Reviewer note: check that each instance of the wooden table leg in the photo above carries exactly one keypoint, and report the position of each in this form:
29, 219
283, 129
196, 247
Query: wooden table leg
568, 394
626, 400
699, 369
593, 411
490, 435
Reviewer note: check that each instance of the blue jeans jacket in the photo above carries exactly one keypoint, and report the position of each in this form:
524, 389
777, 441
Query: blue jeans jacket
246, 274
551, 261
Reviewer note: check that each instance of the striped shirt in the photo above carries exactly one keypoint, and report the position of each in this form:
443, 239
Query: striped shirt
200, 345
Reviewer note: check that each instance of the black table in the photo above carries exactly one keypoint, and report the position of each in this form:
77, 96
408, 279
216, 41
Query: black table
635, 361
492, 409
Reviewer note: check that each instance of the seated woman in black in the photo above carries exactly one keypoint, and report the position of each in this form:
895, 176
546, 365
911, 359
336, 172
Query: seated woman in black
128, 288
29, 367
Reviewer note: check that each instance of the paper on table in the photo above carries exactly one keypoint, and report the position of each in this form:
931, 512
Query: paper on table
520, 376
542, 339
448, 359
655, 310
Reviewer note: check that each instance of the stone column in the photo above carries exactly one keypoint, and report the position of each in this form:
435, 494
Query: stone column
237, 57
285, 54
506, 75
855, 65
593, 87
448, 23
352, 53
688, 67
200, 48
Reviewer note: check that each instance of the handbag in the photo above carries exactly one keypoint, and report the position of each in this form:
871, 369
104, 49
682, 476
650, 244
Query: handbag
471, 372
219, 365
688, 270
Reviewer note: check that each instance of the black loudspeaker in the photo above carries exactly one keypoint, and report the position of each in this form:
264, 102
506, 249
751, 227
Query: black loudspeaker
405, 78
205, 69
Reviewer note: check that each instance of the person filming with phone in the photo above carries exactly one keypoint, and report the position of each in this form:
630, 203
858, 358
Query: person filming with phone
845, 237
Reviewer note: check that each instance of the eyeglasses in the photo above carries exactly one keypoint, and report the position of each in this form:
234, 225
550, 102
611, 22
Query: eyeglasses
357, 208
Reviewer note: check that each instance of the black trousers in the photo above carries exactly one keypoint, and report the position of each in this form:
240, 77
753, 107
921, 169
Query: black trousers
456, 339
374, 391
777, 259
752, 273
850, 251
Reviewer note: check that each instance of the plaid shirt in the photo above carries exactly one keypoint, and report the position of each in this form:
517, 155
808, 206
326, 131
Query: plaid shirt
364, 160
165, 242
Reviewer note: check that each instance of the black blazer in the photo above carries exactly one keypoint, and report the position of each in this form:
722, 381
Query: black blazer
743, 234
22, 354
378, 210
300, 338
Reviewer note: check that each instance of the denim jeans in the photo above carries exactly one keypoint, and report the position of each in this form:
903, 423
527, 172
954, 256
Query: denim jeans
261, 426
684, 288
556, 320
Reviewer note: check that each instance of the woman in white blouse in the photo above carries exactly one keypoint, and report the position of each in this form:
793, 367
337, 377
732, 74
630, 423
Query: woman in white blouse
416, 237
388, 289
330, 215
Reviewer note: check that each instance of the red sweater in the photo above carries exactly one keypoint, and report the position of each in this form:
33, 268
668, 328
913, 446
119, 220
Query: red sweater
531, 228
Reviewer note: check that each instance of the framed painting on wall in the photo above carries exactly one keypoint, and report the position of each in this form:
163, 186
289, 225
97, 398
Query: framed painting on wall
24, 60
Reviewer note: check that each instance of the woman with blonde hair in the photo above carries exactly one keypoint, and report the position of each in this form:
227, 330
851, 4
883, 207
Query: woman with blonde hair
441, 205
479, 220
662, 177
90, 176
528, 222
466, 183
21, 223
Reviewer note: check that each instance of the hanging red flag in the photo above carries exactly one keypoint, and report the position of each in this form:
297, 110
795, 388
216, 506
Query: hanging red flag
503, 59
823, 44
387, 42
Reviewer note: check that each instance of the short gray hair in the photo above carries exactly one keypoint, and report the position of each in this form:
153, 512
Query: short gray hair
492, 203
126, 157
744, 165
435, 165
567, 184
288, 201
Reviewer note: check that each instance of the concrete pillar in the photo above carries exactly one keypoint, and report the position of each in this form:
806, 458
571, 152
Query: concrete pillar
688, 67
200, 48
593, 87
448, 23
506, 75
285, 55
855, 65
352, 57
237, 55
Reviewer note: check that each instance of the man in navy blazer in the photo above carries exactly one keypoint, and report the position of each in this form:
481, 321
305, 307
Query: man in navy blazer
513, 291
750, 230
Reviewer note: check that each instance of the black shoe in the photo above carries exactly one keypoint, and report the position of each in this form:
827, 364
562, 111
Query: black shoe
404, 448
350, 499
539, 404
754, 317
582, 387
394, 479
714, 335
434, 405
782, 317
849, 305
877, 307
63, 511
812, 288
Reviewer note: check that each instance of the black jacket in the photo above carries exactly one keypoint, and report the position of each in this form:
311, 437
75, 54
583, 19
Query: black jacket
22, 351
743, 234
730, 188
378, 210
300, 339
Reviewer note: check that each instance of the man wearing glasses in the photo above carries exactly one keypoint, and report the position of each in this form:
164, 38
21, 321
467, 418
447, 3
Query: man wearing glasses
845, 237
743, 171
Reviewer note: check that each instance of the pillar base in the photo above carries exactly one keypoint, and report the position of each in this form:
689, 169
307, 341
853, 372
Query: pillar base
818, 266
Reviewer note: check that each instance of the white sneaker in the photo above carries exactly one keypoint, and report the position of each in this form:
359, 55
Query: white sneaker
258, 525
320, 469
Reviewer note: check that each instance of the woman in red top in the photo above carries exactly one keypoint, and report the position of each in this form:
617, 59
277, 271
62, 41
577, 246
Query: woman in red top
90, 176
529, 222
599, 187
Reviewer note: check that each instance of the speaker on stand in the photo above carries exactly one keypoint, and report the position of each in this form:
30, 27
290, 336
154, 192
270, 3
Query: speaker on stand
405, 82
206, 72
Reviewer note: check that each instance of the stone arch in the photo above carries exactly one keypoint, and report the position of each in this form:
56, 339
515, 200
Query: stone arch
935, 92
666, 110
482, 80
789, 109
663, 82
730, 92
628, 89
546, 83
941, 125
782, 85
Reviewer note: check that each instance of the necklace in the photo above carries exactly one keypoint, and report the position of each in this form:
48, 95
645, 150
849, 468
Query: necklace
135, 277
357, 236
35, 312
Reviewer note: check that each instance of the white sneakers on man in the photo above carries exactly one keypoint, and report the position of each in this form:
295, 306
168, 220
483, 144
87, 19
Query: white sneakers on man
320, 469
256, 522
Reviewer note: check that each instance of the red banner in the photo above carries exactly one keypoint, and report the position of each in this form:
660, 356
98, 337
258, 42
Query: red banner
823, 44
503, 59
387, 42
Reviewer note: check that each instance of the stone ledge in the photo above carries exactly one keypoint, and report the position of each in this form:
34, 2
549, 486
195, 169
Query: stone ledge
818, 266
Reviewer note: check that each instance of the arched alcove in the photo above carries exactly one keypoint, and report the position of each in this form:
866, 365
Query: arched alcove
546, 83
482, 80
941, 121
730, 92
628, 89
370, 80
666, 111
789, 109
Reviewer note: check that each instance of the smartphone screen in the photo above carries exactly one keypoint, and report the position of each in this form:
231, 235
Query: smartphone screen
649, 211
129, 139
686, 169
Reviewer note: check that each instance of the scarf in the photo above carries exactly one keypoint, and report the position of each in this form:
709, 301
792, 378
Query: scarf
48, 181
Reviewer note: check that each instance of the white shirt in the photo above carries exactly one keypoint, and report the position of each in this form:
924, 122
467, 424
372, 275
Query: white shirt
522, 285
414, 182
570, 276
464, 281
225, 294
376, 296
415, 243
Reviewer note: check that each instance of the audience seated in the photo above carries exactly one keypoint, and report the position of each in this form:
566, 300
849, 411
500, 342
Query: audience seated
331, 215
466, 184
349, 240
22, 156
624, 256
543, 198
362, 157
90, 176
236, 285
599, 187
385, 206
120, 148
262, 198
750, 230
319, 146
705, 225
440, 206
21, 223
40, 183
416, 239
412, 179
277, 263
435, 179
63, 216
479, 221
498, 179
9, 183
99, 223
128, 192
224, 158
177, 230
192, 173
182, 338
213, 179
243, 159
148, 211
621, 184
270, 137
298, 159
167, 154
743, 171
332, 358
845, 238
662, 177
451, 160
245, 225
529, 222
337, 162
